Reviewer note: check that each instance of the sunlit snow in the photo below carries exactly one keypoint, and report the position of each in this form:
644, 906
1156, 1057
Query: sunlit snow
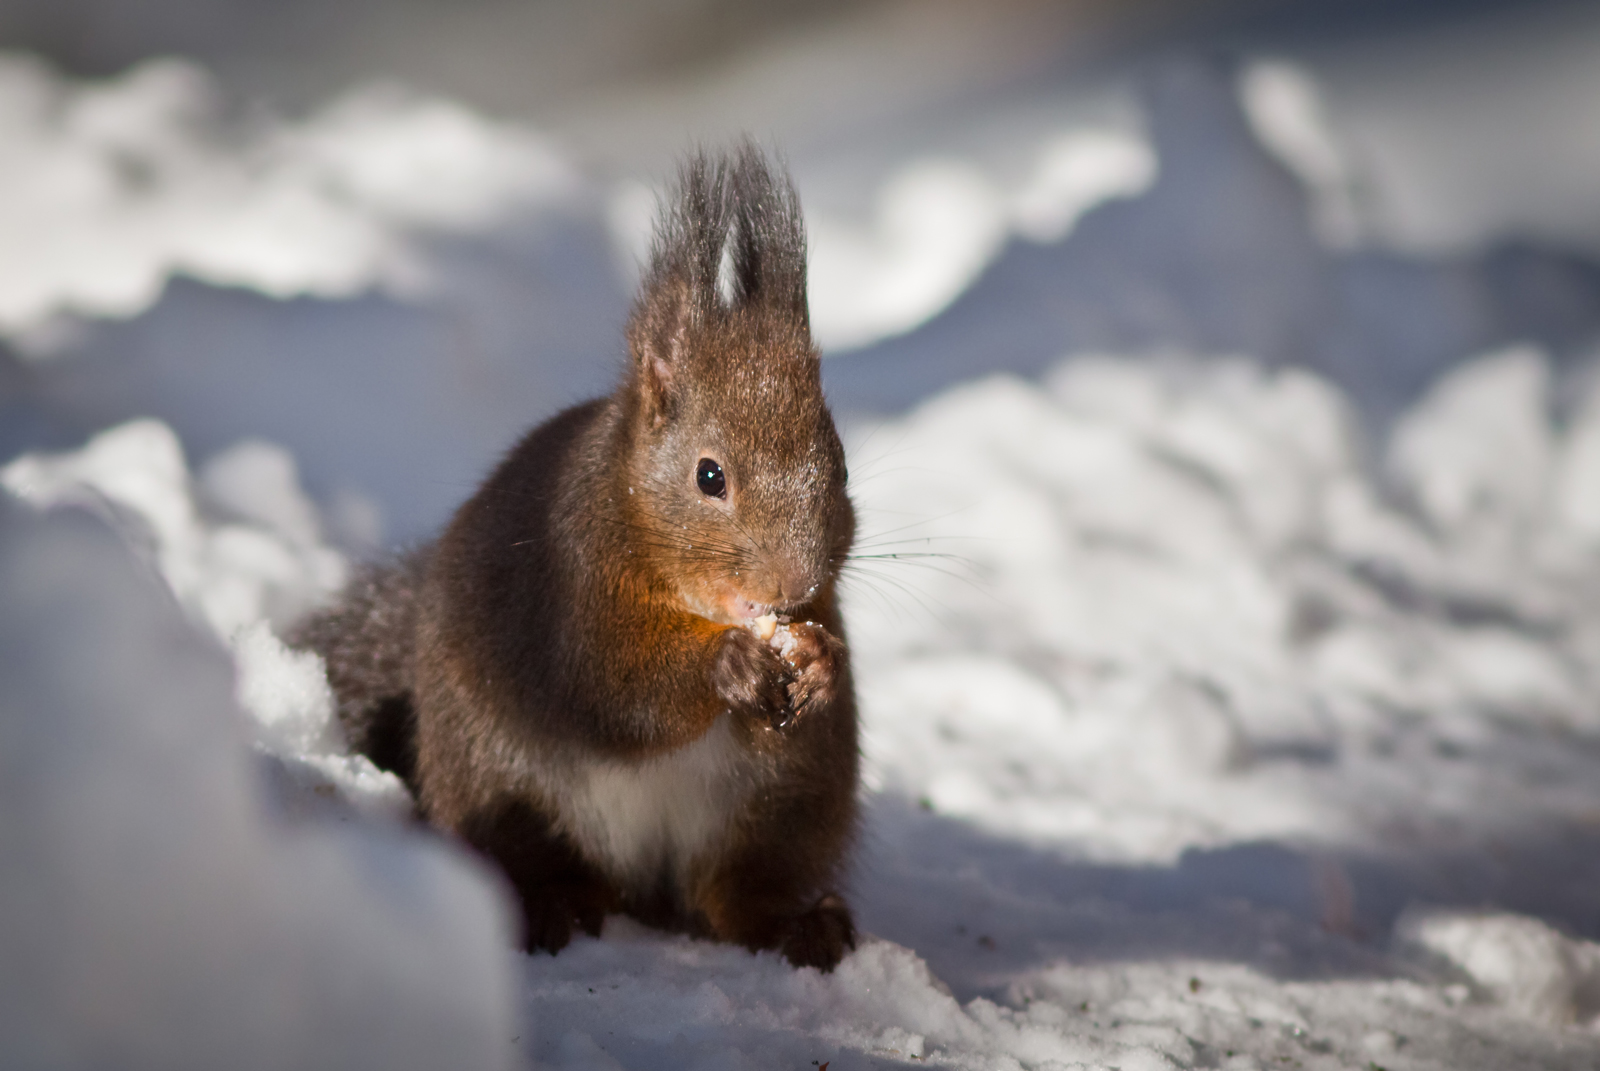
108, 188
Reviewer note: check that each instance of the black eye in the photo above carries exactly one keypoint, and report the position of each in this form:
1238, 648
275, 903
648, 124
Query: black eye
708, 477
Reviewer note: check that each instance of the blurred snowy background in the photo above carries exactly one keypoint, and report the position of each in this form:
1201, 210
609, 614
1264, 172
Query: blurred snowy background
1238, 355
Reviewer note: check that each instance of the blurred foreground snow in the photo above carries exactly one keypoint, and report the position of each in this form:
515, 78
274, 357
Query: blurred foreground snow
157, 912
1177, 622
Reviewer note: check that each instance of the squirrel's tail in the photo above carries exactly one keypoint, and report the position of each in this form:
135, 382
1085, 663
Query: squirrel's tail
368, 640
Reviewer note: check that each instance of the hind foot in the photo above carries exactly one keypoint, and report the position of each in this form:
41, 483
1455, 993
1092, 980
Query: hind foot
552, 914
821, 936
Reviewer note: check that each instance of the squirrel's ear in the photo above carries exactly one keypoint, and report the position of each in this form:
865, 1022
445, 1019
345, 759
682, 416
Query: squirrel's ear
680, 292
658, 338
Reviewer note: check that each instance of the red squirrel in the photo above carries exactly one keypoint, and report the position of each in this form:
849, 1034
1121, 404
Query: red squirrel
571, 678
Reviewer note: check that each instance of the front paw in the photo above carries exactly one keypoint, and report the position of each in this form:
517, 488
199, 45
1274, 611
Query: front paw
751, 679
817, 657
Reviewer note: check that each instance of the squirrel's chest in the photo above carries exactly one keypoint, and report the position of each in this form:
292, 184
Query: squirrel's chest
642, 820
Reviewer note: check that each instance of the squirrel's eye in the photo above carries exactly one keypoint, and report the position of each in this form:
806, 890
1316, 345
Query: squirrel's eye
708, 477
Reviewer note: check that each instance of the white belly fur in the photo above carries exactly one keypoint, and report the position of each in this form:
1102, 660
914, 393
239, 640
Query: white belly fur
641, 820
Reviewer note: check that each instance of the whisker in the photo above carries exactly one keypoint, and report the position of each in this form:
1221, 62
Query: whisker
856, 578
861, 566
922, 520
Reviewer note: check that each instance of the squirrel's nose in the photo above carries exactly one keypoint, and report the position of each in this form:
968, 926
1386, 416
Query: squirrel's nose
797, 586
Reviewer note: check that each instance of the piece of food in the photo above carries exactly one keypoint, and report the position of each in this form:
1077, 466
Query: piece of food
764, 627
784, 641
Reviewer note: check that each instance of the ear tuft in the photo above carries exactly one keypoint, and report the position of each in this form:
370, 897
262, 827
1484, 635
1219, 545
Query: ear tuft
734, 206
769, 250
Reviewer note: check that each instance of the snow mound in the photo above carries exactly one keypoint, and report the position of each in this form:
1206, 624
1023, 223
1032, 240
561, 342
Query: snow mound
938, 224
108, 188
154, 914
1152, 606
1286, 112
1524, 965
241, 550
256, 555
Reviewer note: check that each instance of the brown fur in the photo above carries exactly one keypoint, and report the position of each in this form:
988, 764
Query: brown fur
577, 629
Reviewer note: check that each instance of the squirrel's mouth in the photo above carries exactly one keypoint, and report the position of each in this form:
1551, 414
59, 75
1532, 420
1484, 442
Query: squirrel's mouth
732, 607
725, 606
745, 610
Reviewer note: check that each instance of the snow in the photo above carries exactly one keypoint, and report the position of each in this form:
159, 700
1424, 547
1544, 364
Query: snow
110, 188
1200, 730
1159, 578
1531, 969
1469, 133
159, 912
935, 225
230, 571
1177, 617
1290, 119
938, 223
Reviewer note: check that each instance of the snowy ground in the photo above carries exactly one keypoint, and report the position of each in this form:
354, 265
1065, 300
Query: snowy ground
1159, 753
1201, 728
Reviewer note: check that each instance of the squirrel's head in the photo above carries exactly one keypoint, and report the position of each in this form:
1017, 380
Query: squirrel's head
737, 476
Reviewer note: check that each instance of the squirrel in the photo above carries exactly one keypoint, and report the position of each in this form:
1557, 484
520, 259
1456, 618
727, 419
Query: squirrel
571, 678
